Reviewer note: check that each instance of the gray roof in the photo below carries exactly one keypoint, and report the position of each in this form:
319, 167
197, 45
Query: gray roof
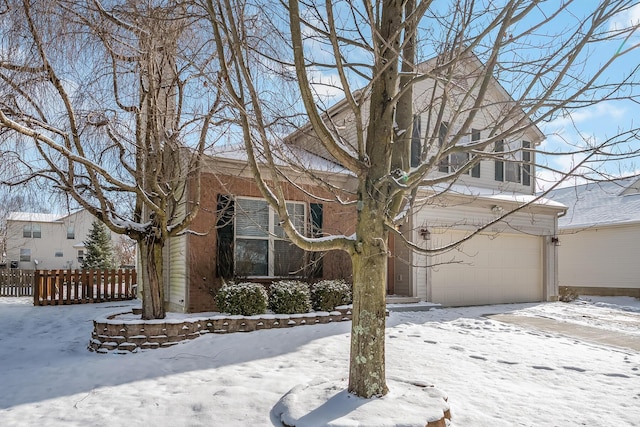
613, 202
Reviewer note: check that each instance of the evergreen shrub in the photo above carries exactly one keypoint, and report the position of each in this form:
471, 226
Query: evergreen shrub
326, 295
289, 296
244, 298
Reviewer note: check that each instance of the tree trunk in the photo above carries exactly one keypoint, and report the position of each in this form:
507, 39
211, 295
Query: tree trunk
367, 361
152, 283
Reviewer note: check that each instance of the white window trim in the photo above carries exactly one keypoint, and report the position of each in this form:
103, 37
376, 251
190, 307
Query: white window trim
450, 161
25, 255
271, 235
513, 157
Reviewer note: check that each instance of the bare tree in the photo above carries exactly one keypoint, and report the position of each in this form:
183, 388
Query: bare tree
113, 104
376, 54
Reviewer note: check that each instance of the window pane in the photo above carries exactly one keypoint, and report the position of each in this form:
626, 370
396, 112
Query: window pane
512, 169
442, 135
26, 230
25, 255
37, 231
252, 218
512, 172
252, 257
288, 259
58, 254
71, 232
296, 213
458, 160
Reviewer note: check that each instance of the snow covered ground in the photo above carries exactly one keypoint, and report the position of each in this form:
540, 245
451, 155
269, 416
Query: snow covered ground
495, 374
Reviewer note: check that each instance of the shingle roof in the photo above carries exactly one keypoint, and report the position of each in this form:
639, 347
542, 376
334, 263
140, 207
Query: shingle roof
597, 204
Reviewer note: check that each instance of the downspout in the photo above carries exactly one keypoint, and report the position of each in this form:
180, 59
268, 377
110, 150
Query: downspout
554, 293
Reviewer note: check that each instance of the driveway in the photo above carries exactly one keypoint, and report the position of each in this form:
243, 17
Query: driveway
586, 333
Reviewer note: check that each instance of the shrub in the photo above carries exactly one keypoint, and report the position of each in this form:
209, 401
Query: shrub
326, 295
242, 298
567, 294
289, 296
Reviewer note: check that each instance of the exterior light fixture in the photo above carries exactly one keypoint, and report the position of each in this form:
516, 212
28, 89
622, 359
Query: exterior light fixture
425, 233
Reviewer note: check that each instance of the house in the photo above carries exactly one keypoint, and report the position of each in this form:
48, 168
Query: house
513, 260
600, 237
46, 241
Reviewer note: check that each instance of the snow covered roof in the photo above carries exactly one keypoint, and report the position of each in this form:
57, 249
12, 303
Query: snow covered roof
497, 195
284, 155
33, 217
601, 203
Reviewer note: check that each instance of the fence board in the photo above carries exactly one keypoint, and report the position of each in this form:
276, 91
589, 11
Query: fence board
56, 287
16, 283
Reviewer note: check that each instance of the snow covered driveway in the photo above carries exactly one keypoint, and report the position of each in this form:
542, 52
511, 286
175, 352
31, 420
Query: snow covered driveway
495, 373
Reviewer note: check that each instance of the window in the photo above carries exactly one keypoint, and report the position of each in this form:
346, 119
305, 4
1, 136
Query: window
58, 254
80, 256
261, 247
251, 242
36, 231
71, 232
416, 146
517, 164
475, 170
26, 230
25, 255
453, 161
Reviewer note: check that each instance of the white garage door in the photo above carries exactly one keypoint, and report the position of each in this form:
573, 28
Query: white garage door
502, 268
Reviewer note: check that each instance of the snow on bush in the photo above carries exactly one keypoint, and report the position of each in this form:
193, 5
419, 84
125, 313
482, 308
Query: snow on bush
245, 298
289, 296
326, 295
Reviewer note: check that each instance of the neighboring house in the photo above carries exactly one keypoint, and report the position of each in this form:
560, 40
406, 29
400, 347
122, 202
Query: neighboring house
600, 237
46, 241
514, 260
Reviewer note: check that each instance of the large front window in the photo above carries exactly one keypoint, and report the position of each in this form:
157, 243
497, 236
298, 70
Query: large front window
261, 246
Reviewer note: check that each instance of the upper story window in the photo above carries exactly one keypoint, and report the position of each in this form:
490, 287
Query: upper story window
32, 230
71, 232
457, 160
516, 166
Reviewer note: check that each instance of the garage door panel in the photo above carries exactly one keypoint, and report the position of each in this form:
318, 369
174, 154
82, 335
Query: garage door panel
502, 269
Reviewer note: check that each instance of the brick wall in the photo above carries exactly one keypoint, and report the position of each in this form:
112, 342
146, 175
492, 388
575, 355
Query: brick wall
201, 247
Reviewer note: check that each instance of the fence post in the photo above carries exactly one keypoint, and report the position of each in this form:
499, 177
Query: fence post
36, 287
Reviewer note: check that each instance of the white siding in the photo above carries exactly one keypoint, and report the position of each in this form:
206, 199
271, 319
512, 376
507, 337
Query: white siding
600, 257
175, 277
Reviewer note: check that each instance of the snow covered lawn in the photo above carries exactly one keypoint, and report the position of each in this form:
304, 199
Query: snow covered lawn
495, 374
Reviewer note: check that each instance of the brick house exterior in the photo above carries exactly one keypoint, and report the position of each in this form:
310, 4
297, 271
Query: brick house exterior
195, 269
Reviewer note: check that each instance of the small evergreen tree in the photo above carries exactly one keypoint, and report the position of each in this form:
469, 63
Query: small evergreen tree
99, 251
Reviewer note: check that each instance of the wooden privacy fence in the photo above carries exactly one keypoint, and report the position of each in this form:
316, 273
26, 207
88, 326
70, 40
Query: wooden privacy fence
16, 283
55, 287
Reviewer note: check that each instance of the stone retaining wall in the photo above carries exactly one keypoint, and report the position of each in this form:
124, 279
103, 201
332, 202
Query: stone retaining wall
125, 336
